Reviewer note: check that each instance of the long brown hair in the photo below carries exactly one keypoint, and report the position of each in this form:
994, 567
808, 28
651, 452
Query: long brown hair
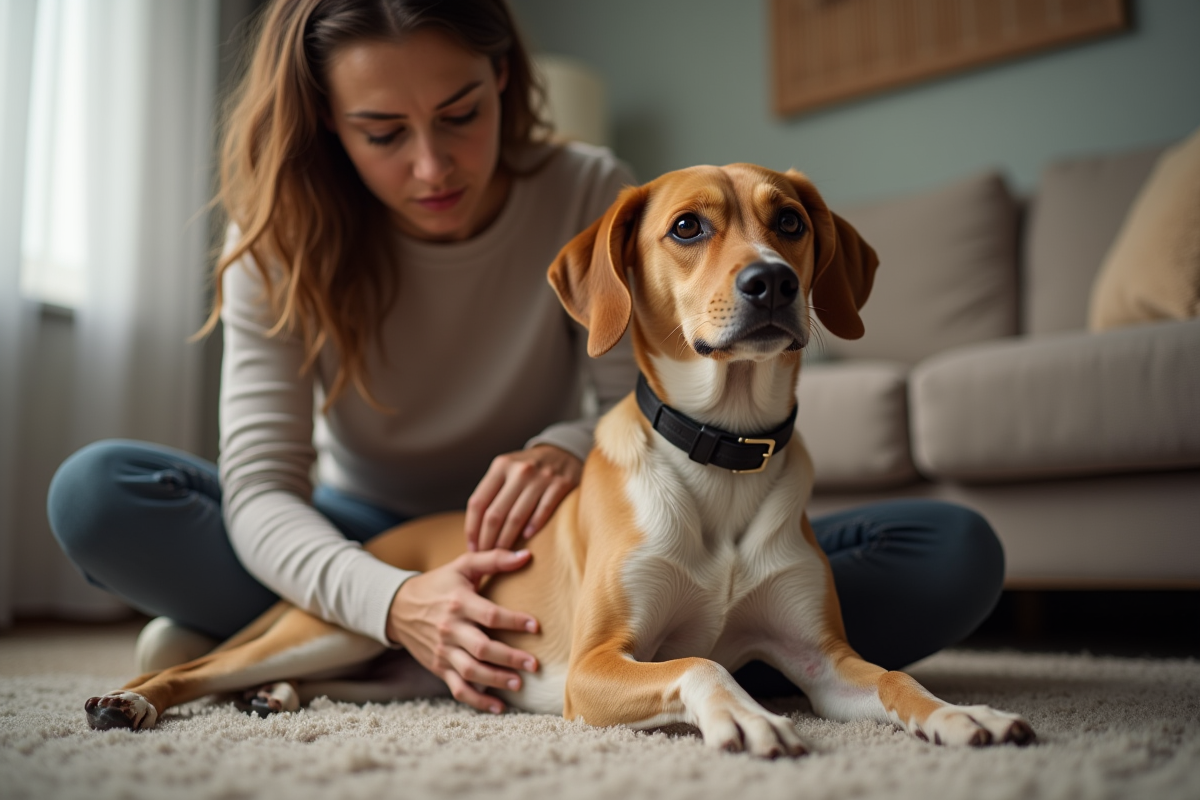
316, 233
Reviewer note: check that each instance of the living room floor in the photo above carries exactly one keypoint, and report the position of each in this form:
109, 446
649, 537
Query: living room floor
1120, 717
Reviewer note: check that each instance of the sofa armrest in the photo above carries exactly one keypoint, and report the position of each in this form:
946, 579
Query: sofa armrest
1060, 405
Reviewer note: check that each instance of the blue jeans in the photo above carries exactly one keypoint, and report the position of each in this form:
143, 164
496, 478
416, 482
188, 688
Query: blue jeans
144, 522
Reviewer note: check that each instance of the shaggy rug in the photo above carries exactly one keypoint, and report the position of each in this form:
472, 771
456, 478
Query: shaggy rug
1107, 728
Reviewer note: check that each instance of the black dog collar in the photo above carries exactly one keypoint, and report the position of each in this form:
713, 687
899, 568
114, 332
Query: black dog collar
705, 444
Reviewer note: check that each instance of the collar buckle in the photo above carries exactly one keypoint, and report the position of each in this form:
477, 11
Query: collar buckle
770, 443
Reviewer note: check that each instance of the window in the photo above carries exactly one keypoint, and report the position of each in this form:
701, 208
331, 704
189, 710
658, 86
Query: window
54, 234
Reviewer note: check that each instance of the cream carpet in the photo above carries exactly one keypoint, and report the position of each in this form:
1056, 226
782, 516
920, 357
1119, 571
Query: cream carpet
1107, 727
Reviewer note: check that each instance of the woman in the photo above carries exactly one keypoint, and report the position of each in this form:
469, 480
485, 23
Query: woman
386, 317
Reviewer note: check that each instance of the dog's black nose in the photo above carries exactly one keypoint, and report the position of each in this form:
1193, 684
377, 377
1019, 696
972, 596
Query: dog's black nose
768, 284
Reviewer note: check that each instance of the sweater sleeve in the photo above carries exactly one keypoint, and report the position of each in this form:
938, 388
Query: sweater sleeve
266, 420
614, 374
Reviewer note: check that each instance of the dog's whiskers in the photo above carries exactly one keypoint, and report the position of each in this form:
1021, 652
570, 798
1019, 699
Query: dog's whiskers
678, 327
815, 332
682, 344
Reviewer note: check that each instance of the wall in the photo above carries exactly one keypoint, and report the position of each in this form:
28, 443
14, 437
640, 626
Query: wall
688, 83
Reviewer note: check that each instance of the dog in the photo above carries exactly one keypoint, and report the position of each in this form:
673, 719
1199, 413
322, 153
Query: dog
685, 552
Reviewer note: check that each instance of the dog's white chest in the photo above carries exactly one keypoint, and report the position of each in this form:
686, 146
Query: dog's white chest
687, 611
713, 541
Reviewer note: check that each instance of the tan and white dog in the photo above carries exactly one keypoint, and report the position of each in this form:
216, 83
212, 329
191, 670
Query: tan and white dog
663, 572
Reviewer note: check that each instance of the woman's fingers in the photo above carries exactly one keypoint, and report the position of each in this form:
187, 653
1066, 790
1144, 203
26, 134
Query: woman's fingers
547, 503
521, 511
517, 477
481, 500
474, 566
482, 674
464, 692
486, 614
511, 507
518, 495
439, 617
483, 648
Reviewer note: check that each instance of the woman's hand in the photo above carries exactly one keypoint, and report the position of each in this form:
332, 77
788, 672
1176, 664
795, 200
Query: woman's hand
437, 617
518, 494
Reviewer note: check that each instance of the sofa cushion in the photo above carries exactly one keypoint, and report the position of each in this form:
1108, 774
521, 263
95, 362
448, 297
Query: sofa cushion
854, 419
1072, 221
1060, 405
947, 274
1152, 271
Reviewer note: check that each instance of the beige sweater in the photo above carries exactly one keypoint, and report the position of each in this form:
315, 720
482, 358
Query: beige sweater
480, 359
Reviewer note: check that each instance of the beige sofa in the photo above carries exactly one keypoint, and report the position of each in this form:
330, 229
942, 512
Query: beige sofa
978, 382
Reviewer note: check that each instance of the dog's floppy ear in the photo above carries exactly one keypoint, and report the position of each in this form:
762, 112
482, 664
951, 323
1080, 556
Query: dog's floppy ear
589, 273
845, 264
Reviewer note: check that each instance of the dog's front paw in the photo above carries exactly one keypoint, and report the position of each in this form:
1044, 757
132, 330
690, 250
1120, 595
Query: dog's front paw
745, 726
120, 710
977, 726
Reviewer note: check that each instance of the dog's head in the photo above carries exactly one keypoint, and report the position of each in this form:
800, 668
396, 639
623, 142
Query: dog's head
719, 263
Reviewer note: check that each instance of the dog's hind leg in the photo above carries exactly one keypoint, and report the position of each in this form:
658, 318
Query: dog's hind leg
273, 698
263, 623
296, 645
395, 675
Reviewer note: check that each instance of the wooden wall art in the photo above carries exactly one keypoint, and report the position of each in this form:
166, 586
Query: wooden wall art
826, 51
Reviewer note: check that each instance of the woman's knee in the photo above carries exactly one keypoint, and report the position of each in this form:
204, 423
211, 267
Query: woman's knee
81, 499
973, 545
101, 490
972, 563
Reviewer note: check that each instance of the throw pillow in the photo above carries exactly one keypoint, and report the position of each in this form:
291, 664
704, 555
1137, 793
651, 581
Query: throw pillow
1152, 271
947, 274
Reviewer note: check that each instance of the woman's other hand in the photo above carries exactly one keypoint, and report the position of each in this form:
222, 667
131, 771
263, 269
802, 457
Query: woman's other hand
438, 615
518, 494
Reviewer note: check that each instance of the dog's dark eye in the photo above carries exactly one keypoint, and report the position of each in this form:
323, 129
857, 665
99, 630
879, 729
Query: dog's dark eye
686, 227
789, 223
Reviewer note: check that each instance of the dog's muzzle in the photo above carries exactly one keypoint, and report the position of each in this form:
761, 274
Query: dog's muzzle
767, 313
768, 285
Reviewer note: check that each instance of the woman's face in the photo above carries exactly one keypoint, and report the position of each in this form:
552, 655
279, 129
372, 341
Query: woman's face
420, 119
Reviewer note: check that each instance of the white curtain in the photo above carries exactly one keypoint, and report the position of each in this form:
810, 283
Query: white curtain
16, 313
115, 163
